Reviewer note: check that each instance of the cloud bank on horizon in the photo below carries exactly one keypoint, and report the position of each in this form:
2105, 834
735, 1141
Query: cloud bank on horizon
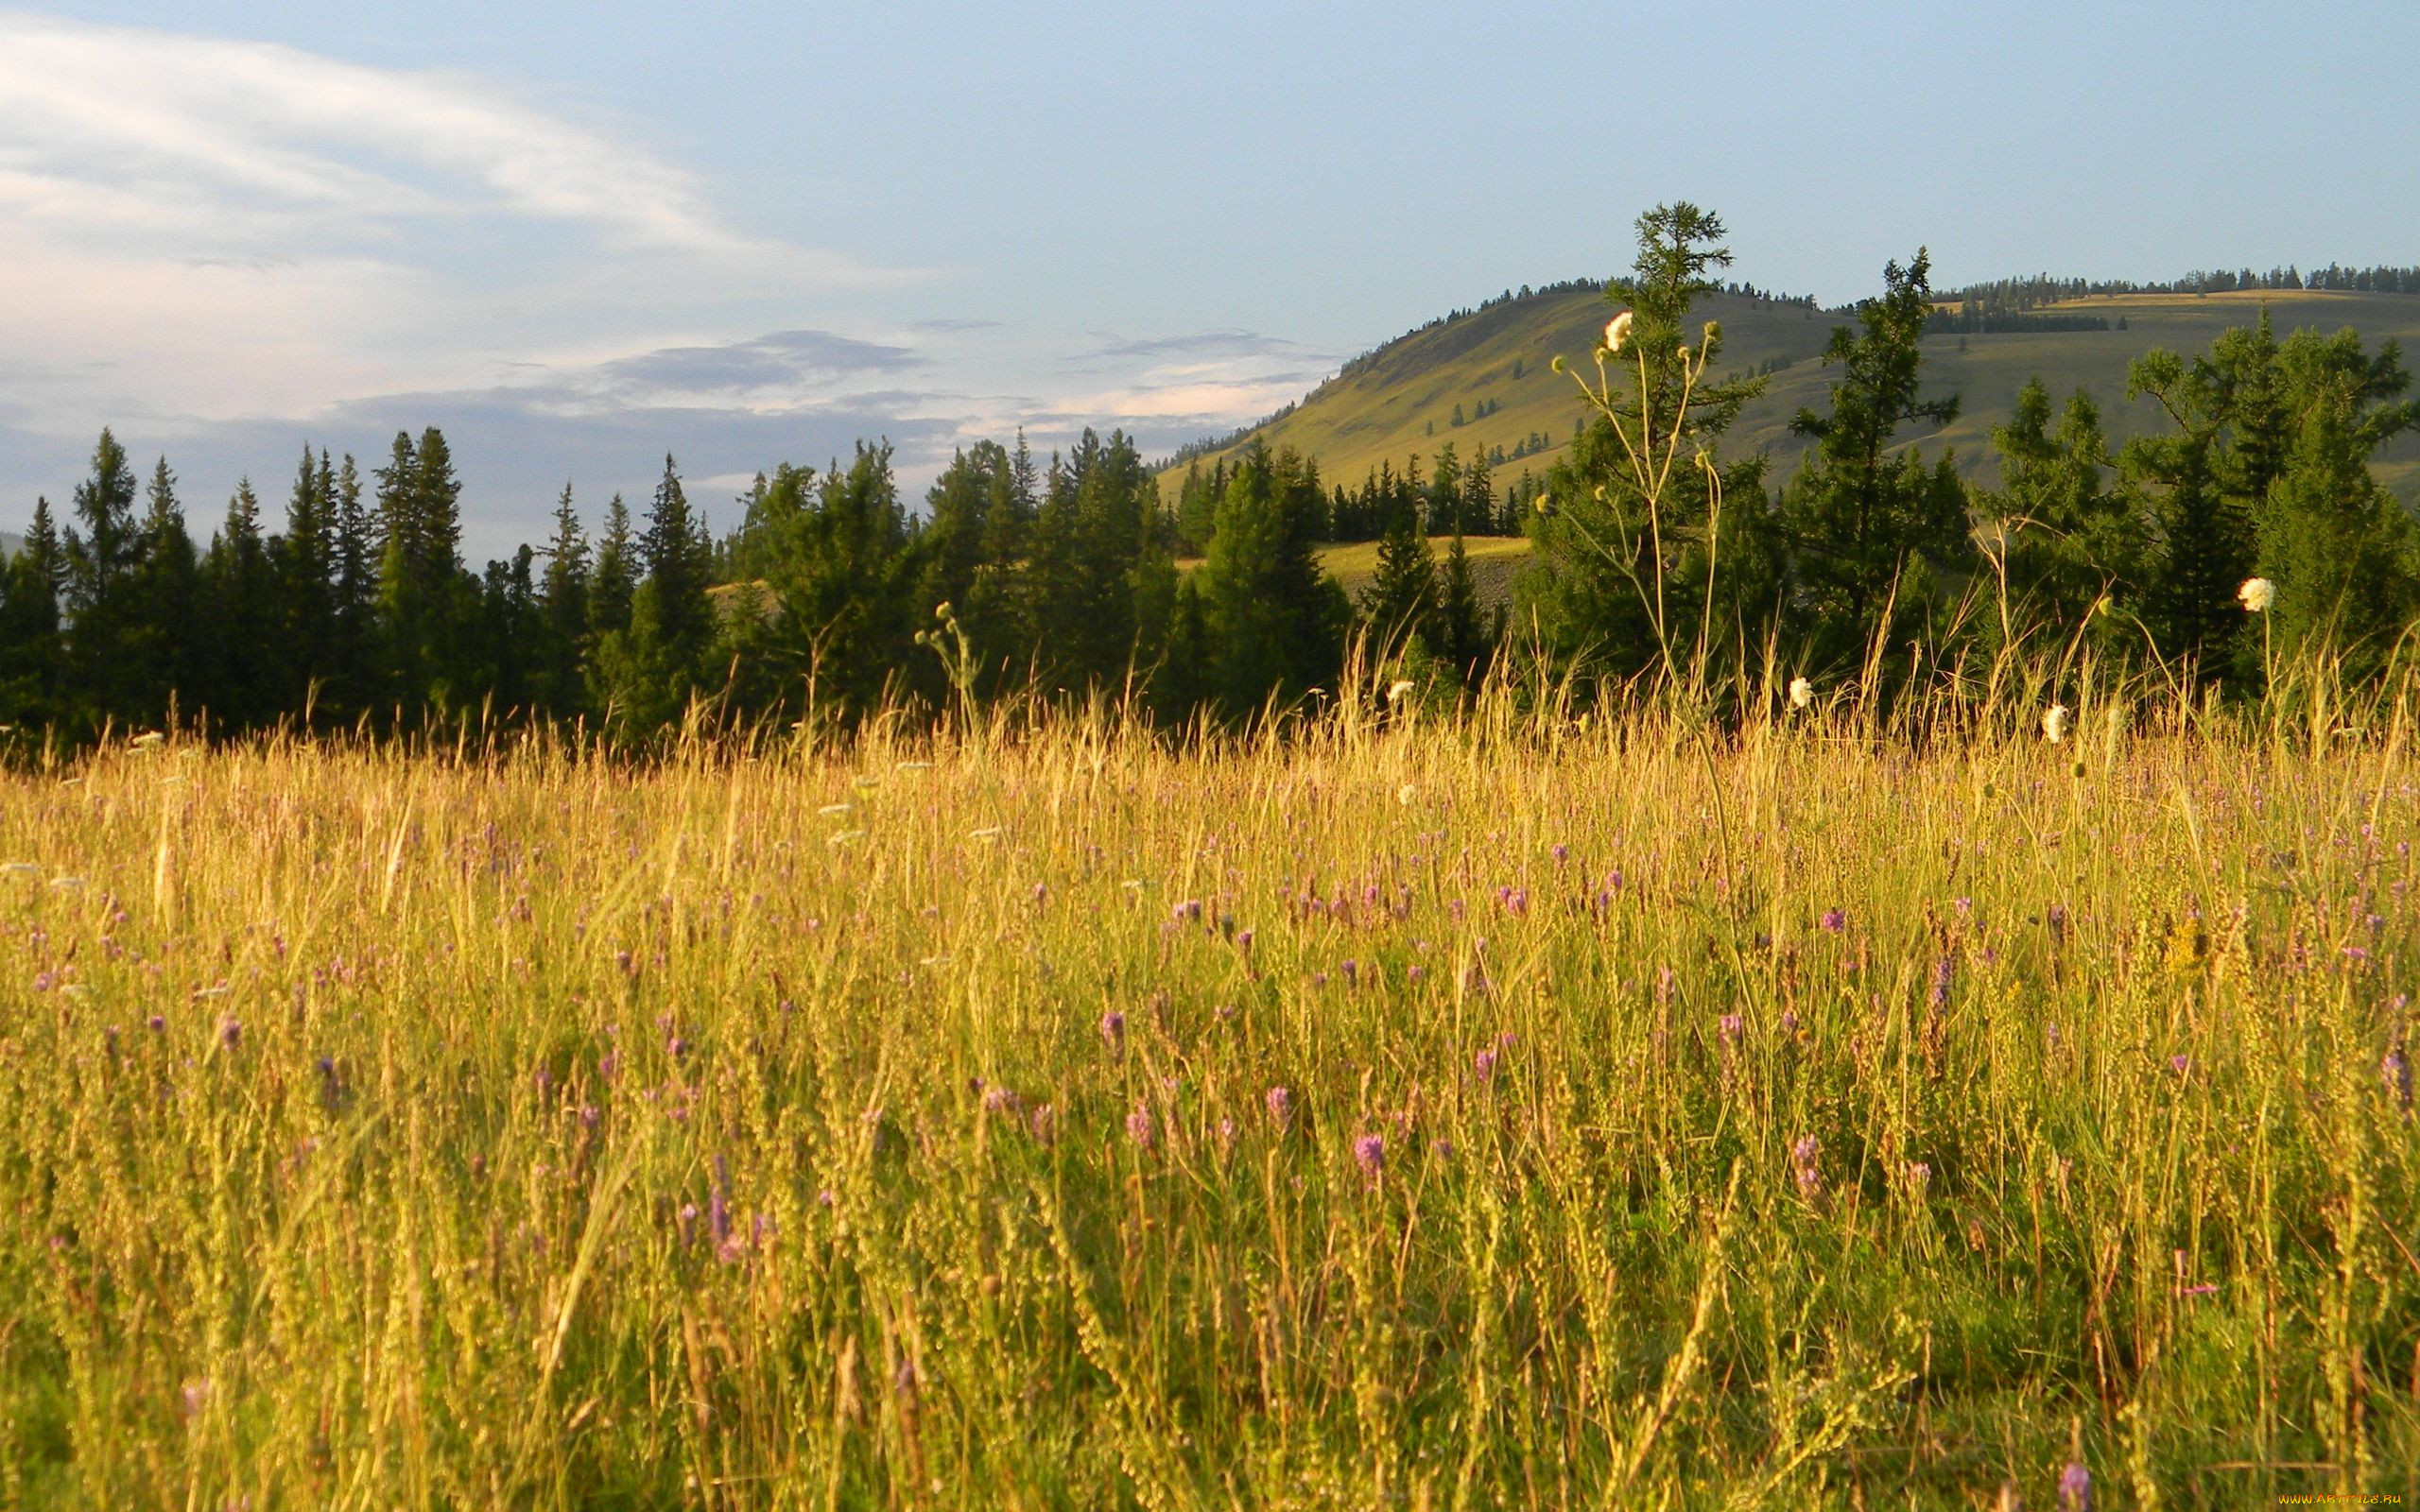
239, 248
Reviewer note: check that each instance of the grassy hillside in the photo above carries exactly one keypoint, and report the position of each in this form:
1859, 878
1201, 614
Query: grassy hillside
1400, 401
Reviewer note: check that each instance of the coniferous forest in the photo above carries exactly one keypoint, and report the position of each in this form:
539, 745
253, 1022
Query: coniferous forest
1075, 576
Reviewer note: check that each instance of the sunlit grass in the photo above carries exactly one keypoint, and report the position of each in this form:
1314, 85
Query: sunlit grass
1504, 1112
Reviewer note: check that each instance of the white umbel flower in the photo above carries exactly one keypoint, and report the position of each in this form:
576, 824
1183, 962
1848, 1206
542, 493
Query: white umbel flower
1802, 693
1616, 332
2054, 722
2255, 595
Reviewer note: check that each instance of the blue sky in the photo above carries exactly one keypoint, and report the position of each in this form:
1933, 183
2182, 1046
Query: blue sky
578, 237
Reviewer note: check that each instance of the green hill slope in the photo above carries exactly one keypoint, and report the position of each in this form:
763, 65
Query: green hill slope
1400, 400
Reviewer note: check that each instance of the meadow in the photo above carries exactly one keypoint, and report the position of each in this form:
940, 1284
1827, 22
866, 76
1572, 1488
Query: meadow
1425, 1109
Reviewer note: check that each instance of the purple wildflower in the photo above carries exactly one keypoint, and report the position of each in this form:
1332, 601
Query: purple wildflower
156, 1024
1789, 1020
1352, 969
1370, 1153
1281, 1107
1001, 1100
1834, 921
1138, 1127
1806, 1155
2180, 1063
230, 1034
1733, 1025
1919, 1177
1113, 1029
1243, 939
1561, 853
2075, 1488
2395, 1071
1943, 972
1483, 1065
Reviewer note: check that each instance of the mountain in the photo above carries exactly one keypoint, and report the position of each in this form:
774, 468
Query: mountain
1399, 400
9, 544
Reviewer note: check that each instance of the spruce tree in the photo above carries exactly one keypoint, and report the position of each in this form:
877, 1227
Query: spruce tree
2069, 534
1402, 596
172, 628
1868, 532
239, 590
1462, 634
562, 597
32, 654
307, 565
104, 622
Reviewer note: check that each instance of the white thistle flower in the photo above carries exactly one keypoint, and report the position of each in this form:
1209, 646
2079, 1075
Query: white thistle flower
1802, 693
1616, 332
2255, 595
1397, 688
2054, 722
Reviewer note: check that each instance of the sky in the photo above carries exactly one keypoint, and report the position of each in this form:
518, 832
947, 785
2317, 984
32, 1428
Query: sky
579, 236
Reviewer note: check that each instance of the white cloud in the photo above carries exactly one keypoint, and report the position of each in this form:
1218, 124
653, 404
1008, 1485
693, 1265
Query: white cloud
117, 129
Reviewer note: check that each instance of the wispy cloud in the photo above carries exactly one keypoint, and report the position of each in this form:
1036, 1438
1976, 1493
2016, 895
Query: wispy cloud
127, 132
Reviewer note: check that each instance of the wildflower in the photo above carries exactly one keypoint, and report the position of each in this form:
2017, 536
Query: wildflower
1942, 974
1802, 693
1733, 1025
2255, 595
156, 1024
1561, 852
1404, 793
1806, 1156
1281, 1106
1113, 1029
2180, 1063
1001, 1100
1370, 1154
1188, 912
230, 1034
1398, 689
2075, 1488
1483, 1065
1617, 333
1919, 1177
2395, 1071
1834, 921
1138, 1127
2054, 722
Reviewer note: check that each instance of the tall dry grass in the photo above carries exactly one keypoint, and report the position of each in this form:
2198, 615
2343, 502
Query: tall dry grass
1503, 1107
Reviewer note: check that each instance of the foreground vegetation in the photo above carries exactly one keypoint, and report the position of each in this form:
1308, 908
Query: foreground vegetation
1504, 1109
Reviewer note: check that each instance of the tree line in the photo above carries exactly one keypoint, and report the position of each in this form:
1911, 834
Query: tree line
2261, 470
1072, 576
